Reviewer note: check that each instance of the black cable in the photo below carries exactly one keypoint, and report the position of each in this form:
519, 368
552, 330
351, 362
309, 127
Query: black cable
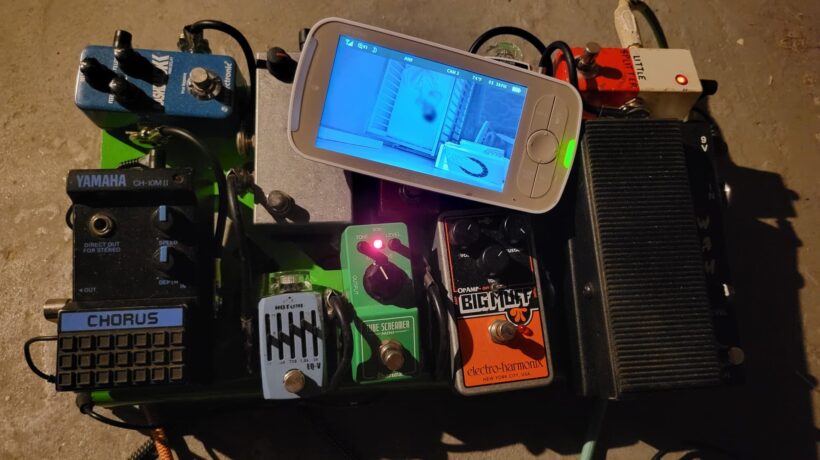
219, 176
337, 305
133, 163
212, 24
69, 217
246, 311
507, 30
115, 423
652, 20
566, 55
86, 407
145, 451
442, 356
27, 353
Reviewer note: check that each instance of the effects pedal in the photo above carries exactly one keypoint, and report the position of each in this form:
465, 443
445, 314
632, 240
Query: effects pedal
497, 322
378, 283
141, 288
119, 86
291, 338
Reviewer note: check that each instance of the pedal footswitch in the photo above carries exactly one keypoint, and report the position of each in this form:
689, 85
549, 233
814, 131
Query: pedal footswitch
291, 338
497, 325
121, 347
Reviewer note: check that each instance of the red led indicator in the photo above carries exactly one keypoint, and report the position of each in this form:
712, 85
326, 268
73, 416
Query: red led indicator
378, 243
681, 79
524, 330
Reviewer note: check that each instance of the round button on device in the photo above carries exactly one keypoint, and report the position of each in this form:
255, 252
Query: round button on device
542, 146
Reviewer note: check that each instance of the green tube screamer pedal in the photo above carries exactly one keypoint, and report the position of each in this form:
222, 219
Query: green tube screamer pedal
379, 284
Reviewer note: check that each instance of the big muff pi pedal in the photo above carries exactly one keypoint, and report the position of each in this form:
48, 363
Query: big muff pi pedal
497, 326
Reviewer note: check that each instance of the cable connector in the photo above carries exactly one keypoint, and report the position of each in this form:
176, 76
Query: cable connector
154, 159
147, 136
626, 26
191, 41
243, 179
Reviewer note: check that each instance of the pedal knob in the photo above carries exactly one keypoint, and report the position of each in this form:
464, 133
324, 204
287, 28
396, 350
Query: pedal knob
392, 355
294, 381
164, 219
515, 228
97, 75
464, 233
384, 282
502, 331
494, 259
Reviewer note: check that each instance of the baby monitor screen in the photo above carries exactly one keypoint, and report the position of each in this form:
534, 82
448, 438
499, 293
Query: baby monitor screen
401, 110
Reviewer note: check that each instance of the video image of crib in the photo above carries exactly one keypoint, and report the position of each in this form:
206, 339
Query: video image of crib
419, 115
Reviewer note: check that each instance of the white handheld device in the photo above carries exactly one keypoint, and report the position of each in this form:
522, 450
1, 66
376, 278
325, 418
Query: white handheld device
406, 110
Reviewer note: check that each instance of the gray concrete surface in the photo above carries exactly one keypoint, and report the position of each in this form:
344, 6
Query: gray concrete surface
765, 55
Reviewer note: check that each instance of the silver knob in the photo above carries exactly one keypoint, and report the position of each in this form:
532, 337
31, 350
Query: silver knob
586, 63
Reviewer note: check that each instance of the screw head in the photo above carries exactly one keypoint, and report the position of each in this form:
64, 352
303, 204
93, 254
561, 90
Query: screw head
736, 356
279, 202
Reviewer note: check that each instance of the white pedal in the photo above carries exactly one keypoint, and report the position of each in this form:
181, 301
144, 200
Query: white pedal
291, 345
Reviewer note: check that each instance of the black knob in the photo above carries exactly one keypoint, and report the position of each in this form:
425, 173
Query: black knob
281, 65
96, 75
130, 96
464, 233
134, 64
384, 282
165, 260
515, 228
494, 259
165, 219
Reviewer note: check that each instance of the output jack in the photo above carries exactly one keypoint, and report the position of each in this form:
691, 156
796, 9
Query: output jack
101, 224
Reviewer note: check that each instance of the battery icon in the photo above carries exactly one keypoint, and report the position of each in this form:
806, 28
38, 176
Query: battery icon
516, 89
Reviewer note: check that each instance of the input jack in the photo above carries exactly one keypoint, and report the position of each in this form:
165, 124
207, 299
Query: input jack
101, 224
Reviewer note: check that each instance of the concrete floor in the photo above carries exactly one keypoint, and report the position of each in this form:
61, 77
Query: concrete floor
765, 55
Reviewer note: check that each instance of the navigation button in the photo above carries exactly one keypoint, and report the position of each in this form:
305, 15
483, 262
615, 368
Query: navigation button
543, 179
541, 113
526, 175
558, 119
542, 146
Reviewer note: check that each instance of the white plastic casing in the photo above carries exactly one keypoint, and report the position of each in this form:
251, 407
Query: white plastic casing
542, 152
664, 93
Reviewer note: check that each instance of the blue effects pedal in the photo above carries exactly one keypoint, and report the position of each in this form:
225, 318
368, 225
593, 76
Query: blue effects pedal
119, 86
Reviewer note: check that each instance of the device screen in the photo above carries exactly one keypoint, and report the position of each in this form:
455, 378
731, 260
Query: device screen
398, 109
